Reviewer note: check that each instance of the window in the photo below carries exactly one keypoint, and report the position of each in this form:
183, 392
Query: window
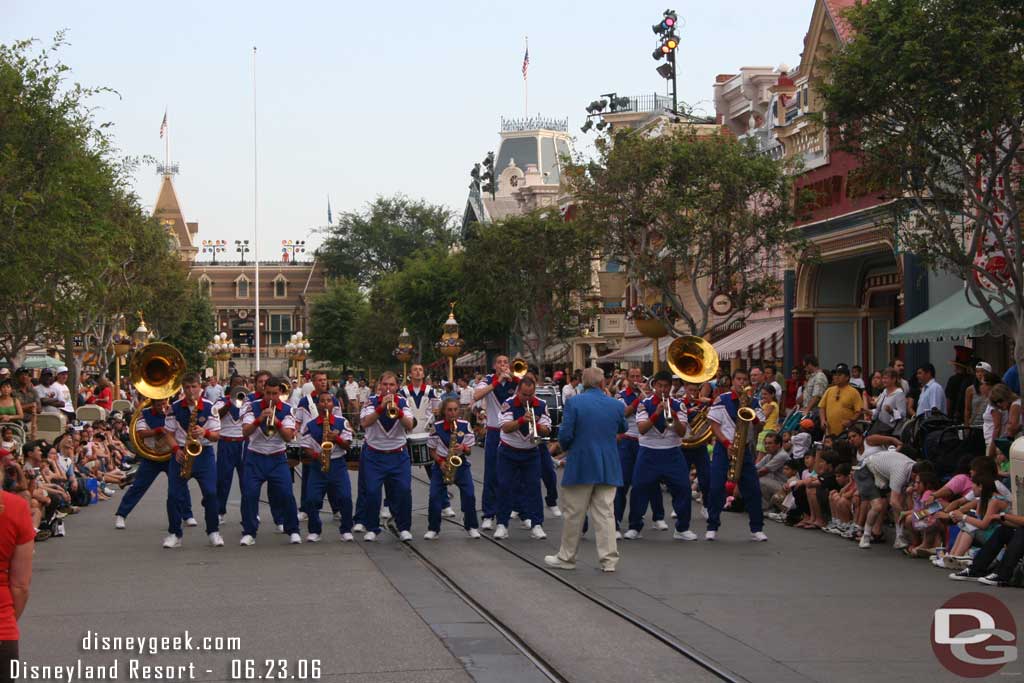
205, 285
242, 287
613, 266
280, 328
280, 287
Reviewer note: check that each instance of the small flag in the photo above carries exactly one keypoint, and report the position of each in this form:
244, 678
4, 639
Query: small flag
163, 125
526, 61
329, 221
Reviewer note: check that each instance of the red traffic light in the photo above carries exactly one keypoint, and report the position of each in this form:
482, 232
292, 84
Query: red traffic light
669, 22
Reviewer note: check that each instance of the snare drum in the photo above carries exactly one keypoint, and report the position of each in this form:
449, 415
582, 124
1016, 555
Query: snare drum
419, 454
295, 455
354, 452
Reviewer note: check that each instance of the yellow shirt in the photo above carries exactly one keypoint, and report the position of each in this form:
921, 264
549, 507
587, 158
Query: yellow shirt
771, 416
841, 405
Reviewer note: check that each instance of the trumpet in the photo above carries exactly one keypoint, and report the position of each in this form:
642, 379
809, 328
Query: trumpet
519, 368
531, 421
239, 398
670, 419
393, 410
326, 447
269, 427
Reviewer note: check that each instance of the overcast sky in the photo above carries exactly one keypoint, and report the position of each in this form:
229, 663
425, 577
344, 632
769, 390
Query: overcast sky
360, 99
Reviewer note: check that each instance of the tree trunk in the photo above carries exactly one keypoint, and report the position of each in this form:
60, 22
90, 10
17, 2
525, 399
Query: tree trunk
72, 363
1018, 346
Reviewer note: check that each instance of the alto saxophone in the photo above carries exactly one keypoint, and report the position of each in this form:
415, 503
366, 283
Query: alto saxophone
193, 446
326, 447
738, 450
453, 461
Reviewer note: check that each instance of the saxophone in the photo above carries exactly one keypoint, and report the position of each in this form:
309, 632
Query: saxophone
453, 461
193, 446
738, 450
326, 447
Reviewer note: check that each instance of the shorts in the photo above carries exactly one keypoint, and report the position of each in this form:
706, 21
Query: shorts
901, 478
865, 481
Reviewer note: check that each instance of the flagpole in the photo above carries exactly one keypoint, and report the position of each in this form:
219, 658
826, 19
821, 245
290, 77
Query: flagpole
167, 142
526, 85
255, 209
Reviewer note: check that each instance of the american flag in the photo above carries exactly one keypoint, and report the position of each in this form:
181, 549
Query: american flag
526, 61
163, 125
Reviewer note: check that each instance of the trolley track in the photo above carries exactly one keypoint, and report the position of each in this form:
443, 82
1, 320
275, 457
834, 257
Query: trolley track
645, 627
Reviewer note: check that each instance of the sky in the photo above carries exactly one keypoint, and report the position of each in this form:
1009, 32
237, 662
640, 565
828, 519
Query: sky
360, 99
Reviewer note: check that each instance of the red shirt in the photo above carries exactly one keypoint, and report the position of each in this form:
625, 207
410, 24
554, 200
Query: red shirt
104, 398
15, 529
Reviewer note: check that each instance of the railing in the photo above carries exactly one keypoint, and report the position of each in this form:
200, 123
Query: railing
519, 125
248, 262
644, 103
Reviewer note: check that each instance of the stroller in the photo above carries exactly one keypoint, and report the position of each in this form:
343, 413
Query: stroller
938, 439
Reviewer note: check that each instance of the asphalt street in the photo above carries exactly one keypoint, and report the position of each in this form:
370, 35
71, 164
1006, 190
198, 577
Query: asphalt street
803, 607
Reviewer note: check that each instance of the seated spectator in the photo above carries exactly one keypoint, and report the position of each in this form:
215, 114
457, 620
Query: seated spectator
1008, 538
769, 416
783, 503
10, 406
922, 523
770, 466
978, 518
102, 394
840, 501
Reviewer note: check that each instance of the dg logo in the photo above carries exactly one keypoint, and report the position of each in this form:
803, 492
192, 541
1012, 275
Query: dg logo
974, 635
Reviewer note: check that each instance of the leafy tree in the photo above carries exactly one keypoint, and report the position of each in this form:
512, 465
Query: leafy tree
704, 212
941, 129
194, 329
335, 323
531, 270
367, 244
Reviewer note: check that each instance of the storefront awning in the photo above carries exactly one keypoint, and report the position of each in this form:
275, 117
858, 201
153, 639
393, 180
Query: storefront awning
951, 318
758, 340
474, 359
637, 351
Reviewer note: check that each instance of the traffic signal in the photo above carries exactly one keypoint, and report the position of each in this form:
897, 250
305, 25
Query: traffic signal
667, 45
490, 184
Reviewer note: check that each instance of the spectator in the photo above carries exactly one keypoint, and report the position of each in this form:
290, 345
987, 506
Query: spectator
770, 467
769, 416
932, 396
840, 501
214, 390
922, 523
29, 399
1002, 420
974, 400
756, 379
67, 406
362, 394
569, 390
465, 398
769, 378
898, 365
10, 406
352, 393
1011, 378
978, 517
856, 378
815, 386
16, 549
890, 405
841, 404
873, 389
49, 394
103, 394
793, 386
1009, 535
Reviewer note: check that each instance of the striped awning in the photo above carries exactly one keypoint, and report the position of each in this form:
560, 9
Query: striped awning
474, 359
758, 340
636, 351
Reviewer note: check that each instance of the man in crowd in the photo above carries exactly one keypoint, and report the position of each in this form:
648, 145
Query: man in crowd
569, 390
816, 384
932, 396
49, 394
769, 378
956, 387
769, 468
214, 391
67, 407
352, 394
841, 403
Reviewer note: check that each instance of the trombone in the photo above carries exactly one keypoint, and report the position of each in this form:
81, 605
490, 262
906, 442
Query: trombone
519, 368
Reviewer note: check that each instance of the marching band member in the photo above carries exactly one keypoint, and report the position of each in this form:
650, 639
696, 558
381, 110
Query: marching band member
304, 411
150, 428
268, 425
494, 389
629, 446
723, 423
276, 506
659, 457
229, 447
451, 436
693, 401
315, 432
386, 458
424, 401
179, 428
519, 458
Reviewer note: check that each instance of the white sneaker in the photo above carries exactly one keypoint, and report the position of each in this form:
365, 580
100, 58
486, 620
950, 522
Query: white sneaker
500, 532
337, 515
525, 524
370, 537
661, 525
448, 512
487, 523
358, 528
514, 515
555, 511
385, 513
703, 512
554, 561
312, 538
347, 537
191, 521
758, 536
430, 535
684, 535
303, 516
294, 539
58, 530
221, 518
865, 540
405, 536
674, 515
247, 540
900, 543
618, 535
118, 522
710, 535
279, 528
538, 532
216, 540
631, 535
474, 533
172, 541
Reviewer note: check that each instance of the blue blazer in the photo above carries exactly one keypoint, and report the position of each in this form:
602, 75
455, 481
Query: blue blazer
588, 432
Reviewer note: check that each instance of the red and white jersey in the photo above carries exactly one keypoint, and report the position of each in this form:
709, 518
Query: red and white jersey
493, 401
423, 401
441, 436
385, 434
178, 419
231, 423
512, 410
312, 435
259, 442
660, 435
627, 397
309, 406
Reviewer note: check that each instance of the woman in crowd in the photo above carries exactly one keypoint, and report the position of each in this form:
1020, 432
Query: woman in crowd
890, 404
1005, 416
871, 391
10, 406
979, 517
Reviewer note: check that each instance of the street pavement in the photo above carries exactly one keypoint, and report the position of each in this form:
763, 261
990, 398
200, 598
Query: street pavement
805, 606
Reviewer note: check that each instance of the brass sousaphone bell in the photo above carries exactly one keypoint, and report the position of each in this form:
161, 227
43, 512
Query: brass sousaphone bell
155, 371
519, 368
694, 360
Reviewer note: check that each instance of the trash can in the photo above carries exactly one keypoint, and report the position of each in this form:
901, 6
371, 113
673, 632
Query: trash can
1017, 475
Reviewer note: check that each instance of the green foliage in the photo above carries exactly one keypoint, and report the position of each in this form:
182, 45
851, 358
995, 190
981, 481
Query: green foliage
683, 210
335, 323
192, 330
941, 126
366, 245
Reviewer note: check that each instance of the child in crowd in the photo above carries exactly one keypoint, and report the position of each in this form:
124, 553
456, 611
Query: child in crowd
782, 502
770, 408
840, 500
803, 440
923, 526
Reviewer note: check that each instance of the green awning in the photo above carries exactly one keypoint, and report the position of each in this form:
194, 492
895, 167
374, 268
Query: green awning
952, 318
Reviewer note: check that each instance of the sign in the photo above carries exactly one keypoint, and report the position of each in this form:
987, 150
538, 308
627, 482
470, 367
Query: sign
974, 635
721, 304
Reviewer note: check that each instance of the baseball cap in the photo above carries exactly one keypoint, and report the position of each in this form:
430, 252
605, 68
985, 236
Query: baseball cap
982, 365
842, 368
61, 369
5, 372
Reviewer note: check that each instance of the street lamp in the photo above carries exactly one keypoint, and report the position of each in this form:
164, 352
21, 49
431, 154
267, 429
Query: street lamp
292, 247
668, 42
141, 335
214, 247
122, 343
220, 350
450, 344
403, 352
242, 247
296, 349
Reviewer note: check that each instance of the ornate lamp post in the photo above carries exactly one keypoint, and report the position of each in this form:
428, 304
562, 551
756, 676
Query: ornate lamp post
450, 345
403, 352
122, 343
296, 349
141, 335
220, 350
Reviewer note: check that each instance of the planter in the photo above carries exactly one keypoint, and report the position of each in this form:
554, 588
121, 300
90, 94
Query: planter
651, 327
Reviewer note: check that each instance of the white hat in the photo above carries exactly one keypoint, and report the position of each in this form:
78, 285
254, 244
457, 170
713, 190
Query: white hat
61, 369
5, 371
983, 366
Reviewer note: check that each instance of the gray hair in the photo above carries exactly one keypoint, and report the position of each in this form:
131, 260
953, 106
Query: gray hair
593, 377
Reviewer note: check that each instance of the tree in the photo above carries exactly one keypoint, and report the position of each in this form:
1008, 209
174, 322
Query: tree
194, 330
681, 209
366, 245
532, 270
335, 322
940, 128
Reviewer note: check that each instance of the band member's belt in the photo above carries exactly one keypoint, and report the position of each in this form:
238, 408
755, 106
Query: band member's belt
377, 450
494, 429
232, 439
266, 455
624, 436
519, 450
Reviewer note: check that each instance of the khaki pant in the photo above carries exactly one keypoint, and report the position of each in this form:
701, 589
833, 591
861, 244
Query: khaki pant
597, 501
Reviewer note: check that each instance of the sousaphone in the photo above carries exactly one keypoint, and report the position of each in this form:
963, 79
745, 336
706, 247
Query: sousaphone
155, 371
695, 360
